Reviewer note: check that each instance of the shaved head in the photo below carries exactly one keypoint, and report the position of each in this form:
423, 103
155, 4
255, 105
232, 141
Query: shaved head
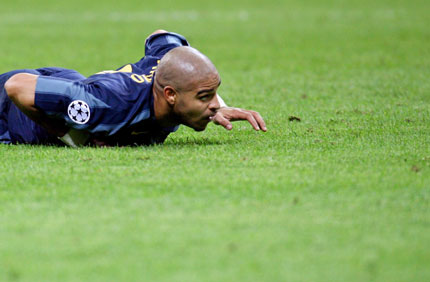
185, 68
185, 87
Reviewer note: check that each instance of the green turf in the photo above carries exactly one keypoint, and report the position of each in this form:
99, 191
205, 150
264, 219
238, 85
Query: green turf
342, 195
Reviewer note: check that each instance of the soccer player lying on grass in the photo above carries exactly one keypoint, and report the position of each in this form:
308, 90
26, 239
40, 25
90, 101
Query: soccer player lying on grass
138, 104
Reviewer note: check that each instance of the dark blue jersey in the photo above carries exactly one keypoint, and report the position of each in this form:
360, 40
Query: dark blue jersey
128, 93
115, 107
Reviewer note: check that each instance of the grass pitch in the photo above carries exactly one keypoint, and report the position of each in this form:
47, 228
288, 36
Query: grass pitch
341, 195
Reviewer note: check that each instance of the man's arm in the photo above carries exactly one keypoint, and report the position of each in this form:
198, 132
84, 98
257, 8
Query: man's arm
221, 101
21, 89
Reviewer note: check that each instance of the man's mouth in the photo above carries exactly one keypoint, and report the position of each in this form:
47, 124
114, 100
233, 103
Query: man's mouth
206, 120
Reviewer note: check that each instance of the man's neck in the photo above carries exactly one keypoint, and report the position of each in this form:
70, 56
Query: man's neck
162, 111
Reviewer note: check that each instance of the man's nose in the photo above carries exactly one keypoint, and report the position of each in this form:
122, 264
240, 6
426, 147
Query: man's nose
214, 104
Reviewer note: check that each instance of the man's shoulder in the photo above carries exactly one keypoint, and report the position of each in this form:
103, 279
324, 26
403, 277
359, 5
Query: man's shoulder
160, 43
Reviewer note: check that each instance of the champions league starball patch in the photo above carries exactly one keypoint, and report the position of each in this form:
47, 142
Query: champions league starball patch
79, 111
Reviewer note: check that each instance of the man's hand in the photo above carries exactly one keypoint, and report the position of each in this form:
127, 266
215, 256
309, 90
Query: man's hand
226, 115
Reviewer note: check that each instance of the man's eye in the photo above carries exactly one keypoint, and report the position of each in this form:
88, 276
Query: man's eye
204, 98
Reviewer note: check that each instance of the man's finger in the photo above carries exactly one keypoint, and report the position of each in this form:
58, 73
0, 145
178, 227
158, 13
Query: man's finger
260, 120
220, 120
251, 120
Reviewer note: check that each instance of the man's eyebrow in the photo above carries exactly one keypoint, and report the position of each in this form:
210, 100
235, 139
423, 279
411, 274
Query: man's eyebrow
205, 91
208, 90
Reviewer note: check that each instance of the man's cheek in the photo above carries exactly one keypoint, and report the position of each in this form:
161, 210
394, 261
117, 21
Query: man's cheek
195, 111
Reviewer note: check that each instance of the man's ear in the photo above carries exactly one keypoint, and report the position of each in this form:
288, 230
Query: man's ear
170, 95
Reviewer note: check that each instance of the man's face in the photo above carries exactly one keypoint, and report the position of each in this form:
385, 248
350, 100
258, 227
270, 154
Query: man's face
195, 107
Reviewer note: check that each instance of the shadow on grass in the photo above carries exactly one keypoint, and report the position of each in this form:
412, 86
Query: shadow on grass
186, 141
50, 145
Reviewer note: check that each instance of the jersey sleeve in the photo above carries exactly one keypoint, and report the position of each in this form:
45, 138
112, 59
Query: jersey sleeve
159, 44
